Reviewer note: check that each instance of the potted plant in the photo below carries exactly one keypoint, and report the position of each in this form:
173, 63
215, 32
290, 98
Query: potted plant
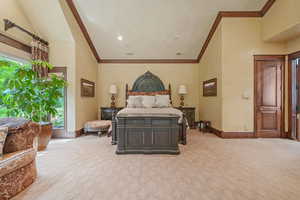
32, 97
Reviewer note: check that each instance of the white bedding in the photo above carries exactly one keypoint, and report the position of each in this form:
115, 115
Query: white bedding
151, 112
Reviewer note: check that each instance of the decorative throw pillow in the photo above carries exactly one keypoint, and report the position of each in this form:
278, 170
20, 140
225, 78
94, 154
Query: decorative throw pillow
134, 102
162, 101
148, 101
3, 134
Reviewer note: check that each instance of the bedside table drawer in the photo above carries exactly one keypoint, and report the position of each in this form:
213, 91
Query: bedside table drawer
107, 112
189, 113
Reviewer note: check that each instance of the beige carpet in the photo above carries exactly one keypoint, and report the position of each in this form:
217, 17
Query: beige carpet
208, 168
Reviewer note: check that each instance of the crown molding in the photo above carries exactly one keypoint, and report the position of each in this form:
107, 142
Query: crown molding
267, 7
145, 61
222, 14
213, 29
83, 29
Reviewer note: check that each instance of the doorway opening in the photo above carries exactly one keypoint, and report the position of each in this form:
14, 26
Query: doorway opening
294, 96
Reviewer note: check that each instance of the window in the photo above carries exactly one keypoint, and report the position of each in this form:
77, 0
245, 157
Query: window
6, 72
59, 121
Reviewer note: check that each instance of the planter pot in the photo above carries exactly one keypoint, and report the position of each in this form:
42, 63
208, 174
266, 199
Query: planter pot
44, 136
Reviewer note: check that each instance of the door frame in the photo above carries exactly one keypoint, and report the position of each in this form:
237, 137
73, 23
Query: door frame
58, 132
270, 58
291, 57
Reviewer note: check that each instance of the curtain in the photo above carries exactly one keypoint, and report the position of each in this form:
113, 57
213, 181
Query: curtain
40, 51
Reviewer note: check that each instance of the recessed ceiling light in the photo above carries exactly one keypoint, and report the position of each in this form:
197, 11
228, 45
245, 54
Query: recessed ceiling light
120, 37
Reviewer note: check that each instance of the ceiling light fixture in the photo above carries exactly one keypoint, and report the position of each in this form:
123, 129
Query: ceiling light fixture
120, 37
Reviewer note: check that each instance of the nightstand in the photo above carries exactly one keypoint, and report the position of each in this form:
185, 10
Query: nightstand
107, 112
189, 113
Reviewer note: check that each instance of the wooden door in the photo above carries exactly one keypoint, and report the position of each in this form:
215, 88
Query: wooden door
297, 108
268, 97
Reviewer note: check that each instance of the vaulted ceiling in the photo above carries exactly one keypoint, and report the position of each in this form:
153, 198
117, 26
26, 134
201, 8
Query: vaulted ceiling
153, 29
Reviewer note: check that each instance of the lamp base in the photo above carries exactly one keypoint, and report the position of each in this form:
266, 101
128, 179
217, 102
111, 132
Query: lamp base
181, 101
113, 104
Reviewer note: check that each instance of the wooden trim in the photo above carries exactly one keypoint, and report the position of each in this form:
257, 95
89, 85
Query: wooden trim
294, 55
238, 135
232, 135
222, 14
283, 132
215, 131
291, 57
83, 28
79, 132
210, 35
14, 43
267, 7
213, 29
144, 61
290, 98
240, 13
270, 58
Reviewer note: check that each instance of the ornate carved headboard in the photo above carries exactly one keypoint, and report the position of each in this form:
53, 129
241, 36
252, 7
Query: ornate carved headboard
148, 84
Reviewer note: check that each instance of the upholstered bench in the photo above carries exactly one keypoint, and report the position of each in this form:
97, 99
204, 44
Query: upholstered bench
99, 126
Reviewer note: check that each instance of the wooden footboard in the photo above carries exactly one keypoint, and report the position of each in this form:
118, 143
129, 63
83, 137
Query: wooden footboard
181, 134
147, 135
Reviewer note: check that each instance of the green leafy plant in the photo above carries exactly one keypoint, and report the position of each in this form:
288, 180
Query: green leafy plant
30, 96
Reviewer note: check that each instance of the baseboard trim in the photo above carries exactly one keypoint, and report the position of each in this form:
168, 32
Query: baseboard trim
68, 135
240, 135
285, 135
215, 131
233, 135
79, 132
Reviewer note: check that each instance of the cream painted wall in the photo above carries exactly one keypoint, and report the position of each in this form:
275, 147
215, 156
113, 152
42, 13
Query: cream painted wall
175, 74
210, 108
293, 45
62, 55
241, 39
85, 67
10, 9
282, 21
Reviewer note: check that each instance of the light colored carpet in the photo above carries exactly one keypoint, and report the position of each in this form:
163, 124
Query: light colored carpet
208, 168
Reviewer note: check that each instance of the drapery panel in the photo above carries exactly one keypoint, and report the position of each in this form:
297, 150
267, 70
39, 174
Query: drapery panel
40, 52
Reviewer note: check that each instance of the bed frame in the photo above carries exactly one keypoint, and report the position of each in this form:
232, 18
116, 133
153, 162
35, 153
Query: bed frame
148, 134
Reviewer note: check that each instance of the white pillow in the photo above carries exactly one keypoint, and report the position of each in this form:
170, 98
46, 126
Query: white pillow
148, 101
134, 102
162, 101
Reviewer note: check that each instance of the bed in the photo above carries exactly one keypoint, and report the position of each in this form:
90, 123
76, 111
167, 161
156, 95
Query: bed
148, 130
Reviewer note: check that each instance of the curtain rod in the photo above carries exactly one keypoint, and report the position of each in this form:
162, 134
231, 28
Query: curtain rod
9, 24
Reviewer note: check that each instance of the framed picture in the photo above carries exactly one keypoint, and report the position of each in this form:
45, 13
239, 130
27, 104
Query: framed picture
87, 88
210, 88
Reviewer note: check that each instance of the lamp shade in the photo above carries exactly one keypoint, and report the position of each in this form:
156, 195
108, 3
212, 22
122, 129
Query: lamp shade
113, 89
182, 89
